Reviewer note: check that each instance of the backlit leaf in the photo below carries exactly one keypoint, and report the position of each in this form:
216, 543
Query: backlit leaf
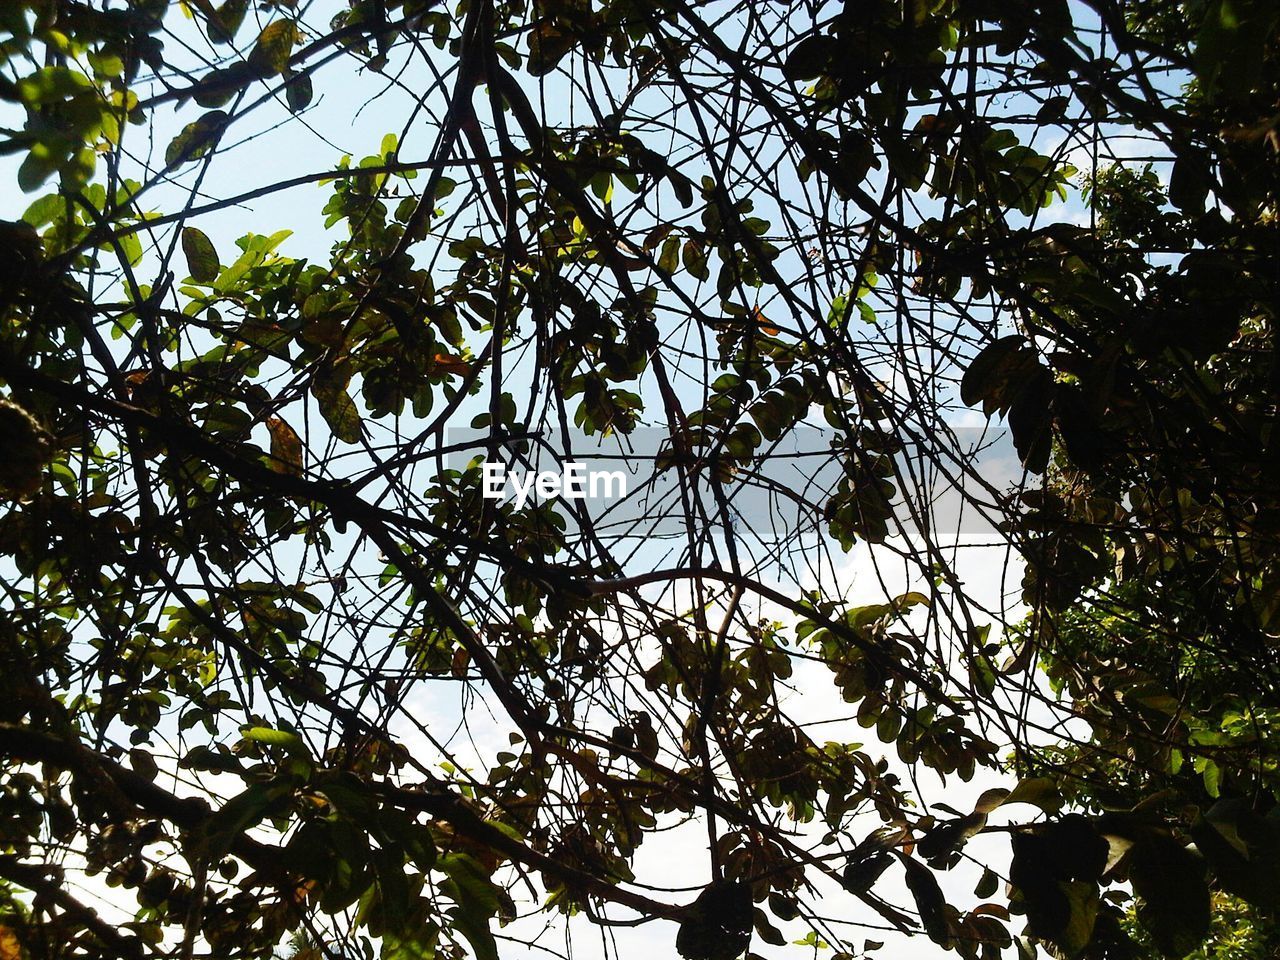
271, 52
202, 258
286, 447
196, 138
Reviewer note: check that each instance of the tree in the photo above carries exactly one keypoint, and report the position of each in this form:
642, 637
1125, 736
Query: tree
239, 570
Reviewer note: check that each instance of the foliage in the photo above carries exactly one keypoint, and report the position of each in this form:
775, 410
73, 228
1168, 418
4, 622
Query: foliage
275, 672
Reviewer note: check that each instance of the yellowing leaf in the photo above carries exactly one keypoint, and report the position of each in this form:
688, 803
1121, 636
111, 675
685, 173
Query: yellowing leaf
286, 447
196, 139
26, 449
458, 666
270, 55
10, 948
768, 329
447, 363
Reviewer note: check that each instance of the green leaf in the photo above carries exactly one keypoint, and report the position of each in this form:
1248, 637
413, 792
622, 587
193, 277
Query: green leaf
393, 889
718, 924
1040, 792
1230, 46
1055, 870
991, 799
286, 739
991, 370
36, 168
811, 57
131, 247
1243, 850
860, 874
987, 884
682, 186
1212, 776
784, 908
202, 258
929, 900
206, 758
767, 931
1173, 906
1082, 905
1189, 183
470, 888
695, 259
219, 87
1052, 109
1031, 418
298, 92
226, 21
548, 45
78, 169
669, 259
336, 406
949, 836
53, 85
47, 209
242, 812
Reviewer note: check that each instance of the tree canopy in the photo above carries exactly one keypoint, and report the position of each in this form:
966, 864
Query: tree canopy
276, 675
